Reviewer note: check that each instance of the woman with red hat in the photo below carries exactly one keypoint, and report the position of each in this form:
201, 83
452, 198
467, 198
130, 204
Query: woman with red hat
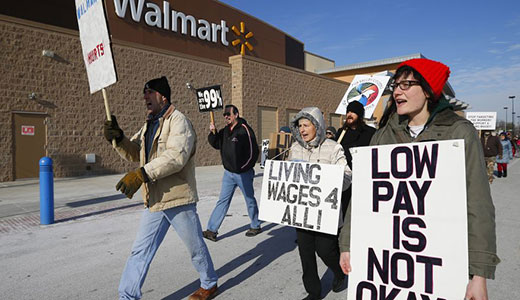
418, 112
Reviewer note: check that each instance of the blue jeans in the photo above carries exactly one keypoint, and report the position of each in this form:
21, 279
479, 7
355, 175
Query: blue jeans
154, 225
230, 181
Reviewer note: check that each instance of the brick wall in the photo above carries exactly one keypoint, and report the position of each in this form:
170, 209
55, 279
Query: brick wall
75, 118
258, 82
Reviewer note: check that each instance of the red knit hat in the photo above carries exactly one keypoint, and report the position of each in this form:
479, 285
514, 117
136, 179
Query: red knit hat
435, 73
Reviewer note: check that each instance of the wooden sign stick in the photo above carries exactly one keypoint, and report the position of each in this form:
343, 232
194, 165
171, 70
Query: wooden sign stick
107, 109
342, 132
212, 120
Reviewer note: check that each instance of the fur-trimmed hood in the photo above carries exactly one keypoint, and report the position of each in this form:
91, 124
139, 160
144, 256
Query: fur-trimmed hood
315, 115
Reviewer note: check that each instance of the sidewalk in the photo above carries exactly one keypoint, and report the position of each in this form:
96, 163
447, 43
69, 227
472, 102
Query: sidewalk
76, 198
83, 254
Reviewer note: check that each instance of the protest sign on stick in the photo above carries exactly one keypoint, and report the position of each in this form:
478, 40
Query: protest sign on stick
367, 90
302, 195
96, 47
409, 222
483, 120
264, 152
209, 99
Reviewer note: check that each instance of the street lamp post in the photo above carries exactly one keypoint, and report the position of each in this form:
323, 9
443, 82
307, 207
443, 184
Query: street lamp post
505, 125
512, 114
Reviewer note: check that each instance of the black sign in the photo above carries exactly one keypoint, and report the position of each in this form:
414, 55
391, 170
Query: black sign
209, 98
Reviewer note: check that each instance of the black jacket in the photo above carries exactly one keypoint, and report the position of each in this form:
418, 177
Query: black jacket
238, 148
492, 146
355, 138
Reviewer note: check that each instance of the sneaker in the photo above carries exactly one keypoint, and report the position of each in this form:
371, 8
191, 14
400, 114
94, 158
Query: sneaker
253, 231
337, 283
203, 294
210, 235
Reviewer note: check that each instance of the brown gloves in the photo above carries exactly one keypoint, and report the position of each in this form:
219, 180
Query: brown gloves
131, 182
112, 131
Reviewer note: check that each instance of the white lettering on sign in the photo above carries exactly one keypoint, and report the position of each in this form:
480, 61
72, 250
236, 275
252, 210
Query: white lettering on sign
27, 130
169, 20
209, 98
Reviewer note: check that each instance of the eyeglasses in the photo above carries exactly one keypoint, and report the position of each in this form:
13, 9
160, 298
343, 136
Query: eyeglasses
403, 85
328, 132
226, 114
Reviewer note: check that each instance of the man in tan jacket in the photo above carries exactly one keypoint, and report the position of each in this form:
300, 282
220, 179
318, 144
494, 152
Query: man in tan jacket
165, 148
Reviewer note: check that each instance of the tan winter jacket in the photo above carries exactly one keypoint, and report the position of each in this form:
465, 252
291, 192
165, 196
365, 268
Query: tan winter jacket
171, 167
446, 125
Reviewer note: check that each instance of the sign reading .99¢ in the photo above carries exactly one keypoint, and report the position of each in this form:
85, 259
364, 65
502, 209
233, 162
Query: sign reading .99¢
209, 98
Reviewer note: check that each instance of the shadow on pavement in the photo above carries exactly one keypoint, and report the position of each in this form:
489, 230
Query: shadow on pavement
96, 200
242, 229
264, 253
99, 212
326, 283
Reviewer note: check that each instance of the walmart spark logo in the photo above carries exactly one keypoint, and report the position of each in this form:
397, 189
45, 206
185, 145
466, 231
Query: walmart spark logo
242, 38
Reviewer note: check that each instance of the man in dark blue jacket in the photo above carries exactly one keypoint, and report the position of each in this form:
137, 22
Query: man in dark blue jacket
239, 152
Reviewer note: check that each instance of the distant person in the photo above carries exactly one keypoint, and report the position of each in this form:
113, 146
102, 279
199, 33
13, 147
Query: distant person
512, 140
505, 157
516, 142
285, 129
418, 112
492, 147
239, 152
308, 129
165, 148
330, 133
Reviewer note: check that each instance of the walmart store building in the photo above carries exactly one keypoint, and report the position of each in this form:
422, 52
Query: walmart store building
46, 108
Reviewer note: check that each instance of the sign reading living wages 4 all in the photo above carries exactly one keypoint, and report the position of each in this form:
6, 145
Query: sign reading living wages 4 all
483, 120
302, 195
367, 90
409, 222
95, 42
209, 98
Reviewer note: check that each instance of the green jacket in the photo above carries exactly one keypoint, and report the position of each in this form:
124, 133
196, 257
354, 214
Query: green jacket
444, 124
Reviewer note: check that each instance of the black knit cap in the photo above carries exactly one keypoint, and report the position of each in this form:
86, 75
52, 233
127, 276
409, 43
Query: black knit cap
357, 108
159, 85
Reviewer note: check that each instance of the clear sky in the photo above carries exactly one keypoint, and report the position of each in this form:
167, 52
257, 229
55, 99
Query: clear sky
479, 40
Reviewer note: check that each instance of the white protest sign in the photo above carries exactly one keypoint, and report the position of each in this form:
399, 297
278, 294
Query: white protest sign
302, 195
95, 42
365, 89
483, 120
409, 222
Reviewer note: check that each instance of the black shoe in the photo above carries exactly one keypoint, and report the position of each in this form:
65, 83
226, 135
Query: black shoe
505, 173
499, 174
311, 297
337, 283
253, 231
210, 235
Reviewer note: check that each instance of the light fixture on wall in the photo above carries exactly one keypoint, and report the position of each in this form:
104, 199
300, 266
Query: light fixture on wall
32, 96
48, 53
